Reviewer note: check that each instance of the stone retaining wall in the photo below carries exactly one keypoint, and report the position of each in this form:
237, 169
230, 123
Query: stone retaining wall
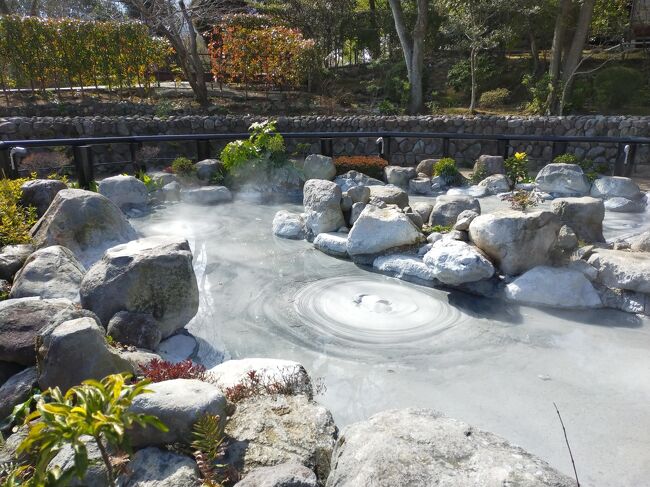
405, 151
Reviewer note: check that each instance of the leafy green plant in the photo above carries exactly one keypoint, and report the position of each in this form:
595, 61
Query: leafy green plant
591, 169
616, 86
95, 409
521, 200
208, 445
183, 166
446, 168
16, 220
148, 181
494, 98
386, 107
429, 229
263, 150
538, 90
479, 175
517, 168
93, 186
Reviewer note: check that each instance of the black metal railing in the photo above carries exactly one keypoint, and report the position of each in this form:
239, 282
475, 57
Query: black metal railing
84, 166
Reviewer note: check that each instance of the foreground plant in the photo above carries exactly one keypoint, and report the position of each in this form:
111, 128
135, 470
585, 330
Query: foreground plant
15, 219
517, 168
521, 200
161, 370
209, 447
99, 410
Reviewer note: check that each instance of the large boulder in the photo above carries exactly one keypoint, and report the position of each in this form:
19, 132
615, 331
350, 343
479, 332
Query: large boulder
21, 320
359, 194
421, 185
126, 192
268, 370
319, 167
152, 275
178, 403
555, 287
332, 243
426, 167
496, 184
12, 258
75, 351
390, 194
208, 170
272, 430
624, 205
618, 269
322, 200
87, 223
454, 262
584, 215
40, 193
284, 475
447, 208
563, 180
641, 243
490, 165
289, 225
380, 229
399, 176
404, 266
17, 390
153, 467
137, 329
607, 187
207, 195
354, 178
51, 272
516, 241
421, 448
423, 209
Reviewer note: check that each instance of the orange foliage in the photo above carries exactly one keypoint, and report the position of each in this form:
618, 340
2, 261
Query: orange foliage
372, 166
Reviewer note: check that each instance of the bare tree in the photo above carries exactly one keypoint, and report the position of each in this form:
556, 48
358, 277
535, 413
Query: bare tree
176, 22
413, 48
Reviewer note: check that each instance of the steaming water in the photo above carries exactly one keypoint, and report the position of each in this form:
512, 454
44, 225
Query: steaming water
381, 343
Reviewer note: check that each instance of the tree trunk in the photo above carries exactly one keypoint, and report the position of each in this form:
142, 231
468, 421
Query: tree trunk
375, 43
4, 8
472, 66
556, 53
534, 51
413, 49
198, 83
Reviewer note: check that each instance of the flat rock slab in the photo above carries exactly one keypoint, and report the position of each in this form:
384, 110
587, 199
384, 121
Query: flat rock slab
421, 448
285, 475
208, 195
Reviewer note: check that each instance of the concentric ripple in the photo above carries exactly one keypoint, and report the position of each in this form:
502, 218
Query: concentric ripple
373, 310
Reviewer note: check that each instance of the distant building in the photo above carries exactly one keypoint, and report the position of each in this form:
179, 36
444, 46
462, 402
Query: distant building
640, 22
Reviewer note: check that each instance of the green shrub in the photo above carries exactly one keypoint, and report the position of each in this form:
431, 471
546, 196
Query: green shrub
616, 86
429, 229
15, 219
517, 168
446, 168
386, 107
591, 169
459, 76
479, 175
183, 166
494, 98
538, 90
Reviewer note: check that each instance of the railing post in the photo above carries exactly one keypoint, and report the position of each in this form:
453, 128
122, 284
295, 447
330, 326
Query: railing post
559, 148
503, 147
625, 160
134, 147
385, 149
6, 171
202, 149
445, 147
327, 147
630, 161
83, 162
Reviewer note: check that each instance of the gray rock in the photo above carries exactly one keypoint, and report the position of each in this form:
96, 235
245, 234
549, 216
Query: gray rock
438, 183
151, 275
399, 176
453, 262
390, 194
208, 169
496, 184
75, 351
332, 243
289, 225
272, 430
607, 187
465, 219
21, 320
178, 348
12, 258
178, 403
322, 200
96, 475
162, 179
555, 287
51, 272
618, 269
359, 194
641, 243
153, 467
567, 239
491, 165
447, 209
207, 195
87, 223
125, 191
426, 167
137, 329
40, 193
354, 178
16, 390
563, 180
71, 313
589, 271
404, 266
319, 167
516, 241
415, 218
8, 370
421, 448
423, 209
584, 216
356, 211
346, 203
380, 229
421, 186
171, 191
624, 205
139, 358
284, 475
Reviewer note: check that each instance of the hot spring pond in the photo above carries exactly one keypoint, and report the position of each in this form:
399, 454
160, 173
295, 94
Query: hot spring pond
380, 343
